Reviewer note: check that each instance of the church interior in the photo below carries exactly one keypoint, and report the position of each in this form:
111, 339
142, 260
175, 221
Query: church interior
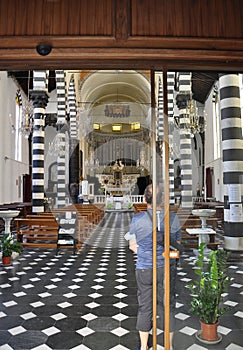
93, 111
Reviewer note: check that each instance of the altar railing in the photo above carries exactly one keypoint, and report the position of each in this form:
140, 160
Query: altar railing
133, 199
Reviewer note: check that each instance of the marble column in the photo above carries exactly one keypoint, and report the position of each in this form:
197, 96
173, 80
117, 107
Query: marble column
170, 93
74, 143
232, 146
61, 138
185, 150
40, 99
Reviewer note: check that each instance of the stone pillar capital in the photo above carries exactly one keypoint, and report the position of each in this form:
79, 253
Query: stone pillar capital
39, 98
182, 99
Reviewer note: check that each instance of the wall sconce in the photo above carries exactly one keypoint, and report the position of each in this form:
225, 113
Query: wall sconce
96, 126
116, 127
135, 126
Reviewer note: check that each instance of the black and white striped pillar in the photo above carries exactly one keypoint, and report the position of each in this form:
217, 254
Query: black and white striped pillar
61, 138
160, 119
232, 146
185, 140
170, 92
74, 143
39, 97
160, 130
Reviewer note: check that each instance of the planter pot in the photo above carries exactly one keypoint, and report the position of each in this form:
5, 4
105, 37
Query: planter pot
208, 333
6, 260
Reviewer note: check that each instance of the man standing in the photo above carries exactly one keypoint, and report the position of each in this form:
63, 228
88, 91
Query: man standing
141, 242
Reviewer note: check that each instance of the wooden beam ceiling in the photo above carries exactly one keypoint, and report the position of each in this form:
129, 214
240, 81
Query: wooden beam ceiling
127, 34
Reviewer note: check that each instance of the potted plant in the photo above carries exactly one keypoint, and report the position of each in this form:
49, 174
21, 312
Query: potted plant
207, 292
109, 205
8, 247
129, 205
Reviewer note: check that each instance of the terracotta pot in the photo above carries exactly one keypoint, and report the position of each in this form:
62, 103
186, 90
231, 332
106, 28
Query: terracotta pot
6, 260
209, 331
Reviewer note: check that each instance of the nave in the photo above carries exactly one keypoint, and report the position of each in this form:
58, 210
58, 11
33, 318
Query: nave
88, 301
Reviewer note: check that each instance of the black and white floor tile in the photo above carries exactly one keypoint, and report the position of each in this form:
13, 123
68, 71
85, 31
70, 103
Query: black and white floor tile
88, 301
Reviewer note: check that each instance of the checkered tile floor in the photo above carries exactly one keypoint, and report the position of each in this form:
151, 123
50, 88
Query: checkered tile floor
88, 301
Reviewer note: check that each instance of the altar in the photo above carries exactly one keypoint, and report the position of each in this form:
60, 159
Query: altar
117, 191
118, 182
118, 203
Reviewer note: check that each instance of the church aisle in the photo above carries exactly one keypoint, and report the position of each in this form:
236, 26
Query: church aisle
88, 301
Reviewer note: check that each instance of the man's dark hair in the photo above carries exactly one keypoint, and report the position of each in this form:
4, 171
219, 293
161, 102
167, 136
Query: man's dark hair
148, 194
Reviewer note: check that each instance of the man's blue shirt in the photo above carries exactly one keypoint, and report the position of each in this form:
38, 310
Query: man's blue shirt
141, 227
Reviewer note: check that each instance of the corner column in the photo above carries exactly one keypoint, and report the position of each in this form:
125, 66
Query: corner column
232, 145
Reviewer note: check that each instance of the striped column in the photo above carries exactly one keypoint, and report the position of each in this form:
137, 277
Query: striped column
72, 109
40, 98
160, 130
232, 145
61, 136
185, 140
170, 91
160, 120
74, 143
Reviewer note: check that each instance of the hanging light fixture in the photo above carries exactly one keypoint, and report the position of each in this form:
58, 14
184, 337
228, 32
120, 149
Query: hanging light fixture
91, 164
196, 123
57, 146
142, 163
27, 114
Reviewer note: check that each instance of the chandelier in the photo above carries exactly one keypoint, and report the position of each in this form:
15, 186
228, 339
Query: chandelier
57, 146
142, 163
27, 122
91, 164
196, 124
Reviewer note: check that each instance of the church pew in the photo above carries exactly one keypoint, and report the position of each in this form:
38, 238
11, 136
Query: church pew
37, 232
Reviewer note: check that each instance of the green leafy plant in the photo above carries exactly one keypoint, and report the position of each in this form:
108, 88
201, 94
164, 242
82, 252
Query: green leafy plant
109, 205
9, 246
212, 283
101, 191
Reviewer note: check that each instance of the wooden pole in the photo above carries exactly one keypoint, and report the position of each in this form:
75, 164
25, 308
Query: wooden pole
167, 217
153, 129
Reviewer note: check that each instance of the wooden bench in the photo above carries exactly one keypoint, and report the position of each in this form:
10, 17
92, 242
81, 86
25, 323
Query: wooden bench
82, 229
85, 223
37, 232
138, 207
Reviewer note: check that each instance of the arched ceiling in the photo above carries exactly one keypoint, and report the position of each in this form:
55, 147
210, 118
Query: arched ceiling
115, 86
115, 96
